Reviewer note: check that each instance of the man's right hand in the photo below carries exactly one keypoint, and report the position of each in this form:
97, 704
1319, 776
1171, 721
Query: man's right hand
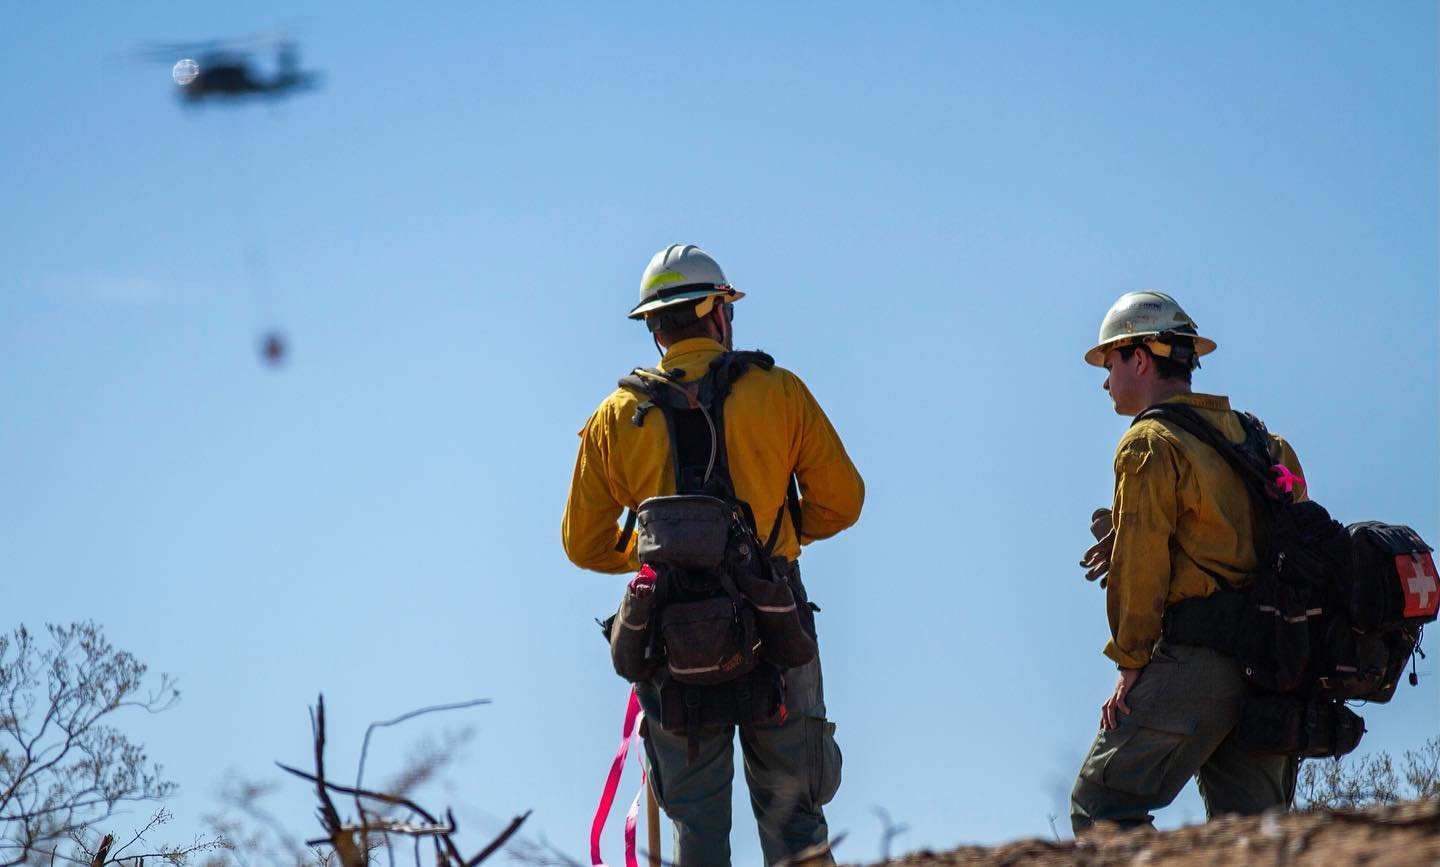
1097, 557
1115, 705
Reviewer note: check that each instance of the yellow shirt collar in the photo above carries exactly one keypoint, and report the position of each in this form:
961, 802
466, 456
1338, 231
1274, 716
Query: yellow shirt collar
691, 355
1216, 402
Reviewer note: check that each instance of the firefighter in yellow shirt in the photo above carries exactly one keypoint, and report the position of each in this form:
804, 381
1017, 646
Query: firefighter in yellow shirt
773, 430
1181, 522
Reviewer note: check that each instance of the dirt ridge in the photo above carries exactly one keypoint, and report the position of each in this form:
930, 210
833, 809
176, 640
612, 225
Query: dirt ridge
1387, 836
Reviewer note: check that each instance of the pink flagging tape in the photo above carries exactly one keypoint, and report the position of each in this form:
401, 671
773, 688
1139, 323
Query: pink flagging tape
633, 816
1284, 479
612, 783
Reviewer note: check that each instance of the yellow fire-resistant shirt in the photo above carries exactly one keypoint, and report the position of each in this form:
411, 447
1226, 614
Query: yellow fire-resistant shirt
1178, 506
773, 427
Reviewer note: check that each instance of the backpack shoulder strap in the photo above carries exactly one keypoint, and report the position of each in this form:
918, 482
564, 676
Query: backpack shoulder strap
1257, 438
1241, 458
725, 369
746, 357
650, 383
676, 399
665, 390
728, 368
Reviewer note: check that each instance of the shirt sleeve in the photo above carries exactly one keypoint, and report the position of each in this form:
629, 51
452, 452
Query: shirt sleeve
831, 490
589, 529
1145, 514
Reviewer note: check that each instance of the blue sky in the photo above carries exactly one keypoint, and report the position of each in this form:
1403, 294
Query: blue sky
931, 206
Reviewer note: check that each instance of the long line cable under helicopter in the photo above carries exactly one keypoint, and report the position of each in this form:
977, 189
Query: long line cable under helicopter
272, 344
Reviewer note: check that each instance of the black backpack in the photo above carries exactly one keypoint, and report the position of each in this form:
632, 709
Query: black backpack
1332, 613
724, 619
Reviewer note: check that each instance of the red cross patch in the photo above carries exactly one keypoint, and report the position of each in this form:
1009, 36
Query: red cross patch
1420, 584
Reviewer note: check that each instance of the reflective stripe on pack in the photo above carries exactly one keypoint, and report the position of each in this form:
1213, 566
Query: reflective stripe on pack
1299, 618
688, 671
773, 609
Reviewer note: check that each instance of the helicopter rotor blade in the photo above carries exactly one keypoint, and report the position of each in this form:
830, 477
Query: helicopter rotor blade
279, 37
169, 52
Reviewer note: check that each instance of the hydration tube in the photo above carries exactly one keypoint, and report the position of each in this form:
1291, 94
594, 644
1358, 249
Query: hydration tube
694, 404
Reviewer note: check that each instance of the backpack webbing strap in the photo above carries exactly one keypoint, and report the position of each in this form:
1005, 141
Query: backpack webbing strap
692, 724
791, 505
742, 702
643, 407
1215, 576
711, 390
627, 532
792, 502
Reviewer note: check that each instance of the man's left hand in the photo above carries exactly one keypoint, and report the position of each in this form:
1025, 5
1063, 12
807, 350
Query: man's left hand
1097, 557
1115, 705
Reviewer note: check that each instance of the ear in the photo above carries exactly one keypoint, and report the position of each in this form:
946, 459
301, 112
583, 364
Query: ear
1144, 361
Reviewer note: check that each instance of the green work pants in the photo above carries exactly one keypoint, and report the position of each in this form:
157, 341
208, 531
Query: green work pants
1183, 710
791, 769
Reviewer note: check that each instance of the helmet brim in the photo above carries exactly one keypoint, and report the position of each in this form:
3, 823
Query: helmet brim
640, 310
1096, 356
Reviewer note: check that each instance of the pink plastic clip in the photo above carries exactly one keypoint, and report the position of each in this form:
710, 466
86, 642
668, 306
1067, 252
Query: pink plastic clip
646, 576
1284, 479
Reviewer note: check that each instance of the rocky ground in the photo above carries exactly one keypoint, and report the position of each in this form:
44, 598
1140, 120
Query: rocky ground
1404, 834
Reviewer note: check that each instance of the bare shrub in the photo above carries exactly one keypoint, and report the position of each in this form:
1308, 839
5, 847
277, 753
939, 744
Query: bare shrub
1327, 784
63, 768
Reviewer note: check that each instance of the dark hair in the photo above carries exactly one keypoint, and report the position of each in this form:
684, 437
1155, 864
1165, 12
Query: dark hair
679, 322
1165, 368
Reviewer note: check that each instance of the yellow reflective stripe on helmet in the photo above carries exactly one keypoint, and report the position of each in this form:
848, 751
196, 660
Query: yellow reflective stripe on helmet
664, 277
1157, 347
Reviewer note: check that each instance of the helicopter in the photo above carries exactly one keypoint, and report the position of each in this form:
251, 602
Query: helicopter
225, 69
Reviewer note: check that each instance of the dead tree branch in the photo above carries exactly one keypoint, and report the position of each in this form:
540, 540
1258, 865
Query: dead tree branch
103, 852
342, 835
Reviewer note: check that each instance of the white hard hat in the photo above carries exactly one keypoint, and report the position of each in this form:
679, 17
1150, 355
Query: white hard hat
1147, 317
681, 273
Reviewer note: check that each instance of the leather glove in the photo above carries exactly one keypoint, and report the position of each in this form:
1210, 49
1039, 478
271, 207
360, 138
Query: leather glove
1097, 557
